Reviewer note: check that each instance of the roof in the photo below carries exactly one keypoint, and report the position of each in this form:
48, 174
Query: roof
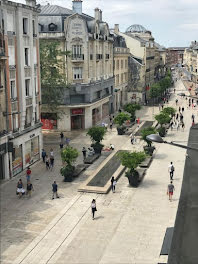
161, 48
136, 28
55, 10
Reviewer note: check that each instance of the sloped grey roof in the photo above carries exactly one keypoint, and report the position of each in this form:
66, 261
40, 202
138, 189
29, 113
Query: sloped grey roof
161, 48
55, 10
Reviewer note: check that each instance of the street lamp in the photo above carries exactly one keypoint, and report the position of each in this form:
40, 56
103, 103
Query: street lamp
156, 138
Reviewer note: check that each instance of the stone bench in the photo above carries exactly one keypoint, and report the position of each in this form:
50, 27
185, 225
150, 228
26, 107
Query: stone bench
78, 169
146, 162
91, 159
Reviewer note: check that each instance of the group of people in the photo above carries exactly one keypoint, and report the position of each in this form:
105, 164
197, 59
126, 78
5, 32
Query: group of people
48, 159
171, 187
20, 189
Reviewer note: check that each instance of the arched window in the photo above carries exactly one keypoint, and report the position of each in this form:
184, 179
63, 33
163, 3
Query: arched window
52, 27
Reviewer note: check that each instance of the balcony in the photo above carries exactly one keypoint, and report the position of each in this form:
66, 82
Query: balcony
77, 57
28, 101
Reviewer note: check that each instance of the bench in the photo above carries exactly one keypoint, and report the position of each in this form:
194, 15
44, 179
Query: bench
78, 169
146, 162
91, 159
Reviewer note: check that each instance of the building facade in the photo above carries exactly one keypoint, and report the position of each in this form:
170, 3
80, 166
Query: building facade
191, 60
22, 76
89, 68
174, 56
121, 58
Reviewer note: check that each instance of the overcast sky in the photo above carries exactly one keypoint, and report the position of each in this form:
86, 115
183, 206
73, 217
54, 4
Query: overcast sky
172, 22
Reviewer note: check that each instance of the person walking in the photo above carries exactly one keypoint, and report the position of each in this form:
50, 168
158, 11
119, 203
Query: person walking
111, 125
182, 109
162, 106
170, 190
113, 184
132, 139
84, 152
93, 208
51, 162
28, 174
20, 190
181, 117
54, 190
193, 118
43, 155
61, 145
61, 136
179, 109
171, 170
51, 153
47, 163
177, 116
176, 101
183, 126
29, 189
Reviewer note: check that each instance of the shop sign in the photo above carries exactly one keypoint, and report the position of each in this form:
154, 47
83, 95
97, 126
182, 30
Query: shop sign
77, 111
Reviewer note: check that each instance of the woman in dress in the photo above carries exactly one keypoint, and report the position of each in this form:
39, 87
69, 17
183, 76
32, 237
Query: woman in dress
93, 207
20, 190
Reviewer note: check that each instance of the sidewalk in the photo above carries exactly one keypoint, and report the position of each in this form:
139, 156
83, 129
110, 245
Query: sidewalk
130, 224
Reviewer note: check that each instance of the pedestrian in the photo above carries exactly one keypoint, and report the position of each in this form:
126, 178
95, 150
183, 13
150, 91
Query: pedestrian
170, 190
162, 106
61, 136
93, 208
113, 184
171, 170
43, 155
54, 190
51, 153
132, 139
51, 162
181, 117
110, 118
178, 125
182, 109
179, 109
183, 126
47, 163
176, 101
167, 100
174, 89
29, 189
177, 116
20, 190
84, 152
28, 174
61, 145
193, 118
112, 147
171, 125
111, 125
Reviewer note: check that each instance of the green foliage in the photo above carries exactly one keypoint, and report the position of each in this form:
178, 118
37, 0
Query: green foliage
155, 90
53, 77
131, 159
131, 108
146, 132
165, 83
121, 118
169, 110
162, 131
163, 118
69, 155
97, 133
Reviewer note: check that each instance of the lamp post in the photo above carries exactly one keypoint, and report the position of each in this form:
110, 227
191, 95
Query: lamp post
156, 138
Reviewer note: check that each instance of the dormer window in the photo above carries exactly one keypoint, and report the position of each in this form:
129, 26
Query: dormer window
41, 27
52, 27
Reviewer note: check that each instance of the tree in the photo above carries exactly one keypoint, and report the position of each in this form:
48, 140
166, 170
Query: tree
146, 132
121, 118
53, 77
131, 159
169, 110
131, 108
97, 135
155, 90
163, 118
68, 155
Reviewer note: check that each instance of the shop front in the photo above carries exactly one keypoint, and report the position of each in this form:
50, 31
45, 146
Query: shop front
17, 160
32, 151
49, 121
105, 110
77, 118
5, 148
96, 115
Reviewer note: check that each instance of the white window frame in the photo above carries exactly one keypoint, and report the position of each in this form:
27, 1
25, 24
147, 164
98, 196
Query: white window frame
77, 73
29, 90
25, 25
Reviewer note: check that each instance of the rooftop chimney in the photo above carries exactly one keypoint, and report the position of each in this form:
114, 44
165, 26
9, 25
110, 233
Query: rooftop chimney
116, 28
100, 15
97, 13
77, 6
30, 3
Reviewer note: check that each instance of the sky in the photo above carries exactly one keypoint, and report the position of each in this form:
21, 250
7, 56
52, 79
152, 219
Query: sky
172, 22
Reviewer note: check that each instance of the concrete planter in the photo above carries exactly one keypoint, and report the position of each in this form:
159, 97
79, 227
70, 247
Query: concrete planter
121, 130
149, 150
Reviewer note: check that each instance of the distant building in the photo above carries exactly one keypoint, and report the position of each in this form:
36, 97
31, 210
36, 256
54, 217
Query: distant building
89, 69
191, 60
22, 84
121, 58
174, 56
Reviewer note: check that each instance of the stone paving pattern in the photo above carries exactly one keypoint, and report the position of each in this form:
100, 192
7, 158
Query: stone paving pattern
130, 224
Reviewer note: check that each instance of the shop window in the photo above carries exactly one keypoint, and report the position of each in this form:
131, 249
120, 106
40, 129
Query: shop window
25, 26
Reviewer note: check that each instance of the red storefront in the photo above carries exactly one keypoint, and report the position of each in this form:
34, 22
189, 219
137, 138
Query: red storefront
77, 118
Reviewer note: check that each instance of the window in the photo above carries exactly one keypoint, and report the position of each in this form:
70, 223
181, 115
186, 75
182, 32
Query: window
52, 27
118, 64
12, 89
77, 51
77, 73
26, 57
91, 56
10, 22
117, 79
126, 64
33, 28
27, 87
25, 26
121, 64
122, 78
11, 54
15, 122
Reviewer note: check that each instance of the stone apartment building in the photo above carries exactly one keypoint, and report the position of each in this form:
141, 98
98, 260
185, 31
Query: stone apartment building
22, 84
121, 57
191, 60
89, 68
174, 56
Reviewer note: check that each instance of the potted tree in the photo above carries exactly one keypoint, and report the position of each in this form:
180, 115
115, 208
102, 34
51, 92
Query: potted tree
131, 108
144, 133
162, 119
119, 120
97, 135
169, 110
131, 160
68, 155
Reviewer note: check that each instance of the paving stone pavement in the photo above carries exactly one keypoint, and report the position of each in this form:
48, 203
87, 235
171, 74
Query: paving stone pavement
129, 226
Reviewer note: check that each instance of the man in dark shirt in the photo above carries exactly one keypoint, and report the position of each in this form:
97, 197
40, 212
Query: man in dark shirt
55, 190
